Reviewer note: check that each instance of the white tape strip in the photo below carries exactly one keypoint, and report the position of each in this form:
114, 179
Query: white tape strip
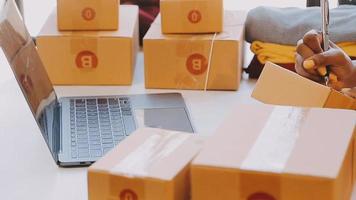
209, 62
276, 142
155, 148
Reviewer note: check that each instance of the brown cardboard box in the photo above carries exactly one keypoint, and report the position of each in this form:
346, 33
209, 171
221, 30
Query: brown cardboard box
283, 87
151, 164
192, 16
88, 14
182, 61
277, 153
90, 57
12, 29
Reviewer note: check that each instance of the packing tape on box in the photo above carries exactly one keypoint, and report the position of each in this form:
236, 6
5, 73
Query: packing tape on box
198, 64
137, 164
83, 49
200, 47
272, 149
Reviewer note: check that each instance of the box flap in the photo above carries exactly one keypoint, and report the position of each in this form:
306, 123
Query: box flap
128, 18
151, 153
234, 22
278, 139
280, 86
339, 100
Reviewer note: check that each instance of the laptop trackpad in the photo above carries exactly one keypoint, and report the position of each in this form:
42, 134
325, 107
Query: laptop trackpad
166, 118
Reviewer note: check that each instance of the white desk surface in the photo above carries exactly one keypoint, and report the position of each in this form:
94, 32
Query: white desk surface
27, 170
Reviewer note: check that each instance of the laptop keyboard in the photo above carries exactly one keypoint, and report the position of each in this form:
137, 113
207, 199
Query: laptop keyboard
97, 125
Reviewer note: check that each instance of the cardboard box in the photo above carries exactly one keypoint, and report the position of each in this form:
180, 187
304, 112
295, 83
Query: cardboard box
13, 32
88, 57
182, 61
283, 87
277, 153
151, 164
192, 16
88, 14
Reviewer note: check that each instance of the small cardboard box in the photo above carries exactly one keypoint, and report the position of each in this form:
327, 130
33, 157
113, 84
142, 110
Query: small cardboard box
192, 16
195, 61
151, 164
279, 86
13, 32
88, 14
91, 57
277, 153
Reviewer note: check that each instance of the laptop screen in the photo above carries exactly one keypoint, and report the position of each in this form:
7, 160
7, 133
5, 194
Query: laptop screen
24, 60
21, 54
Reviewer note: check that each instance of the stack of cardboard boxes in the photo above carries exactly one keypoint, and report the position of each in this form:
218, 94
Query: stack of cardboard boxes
90, 42
194, 45
273, 153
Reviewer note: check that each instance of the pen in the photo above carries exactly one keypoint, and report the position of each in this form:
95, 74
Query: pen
324, 71
325, 12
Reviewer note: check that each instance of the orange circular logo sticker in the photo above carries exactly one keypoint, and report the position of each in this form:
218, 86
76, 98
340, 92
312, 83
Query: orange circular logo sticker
194, 16
261, 196
197, 64
86, 59
88, 14
128, 195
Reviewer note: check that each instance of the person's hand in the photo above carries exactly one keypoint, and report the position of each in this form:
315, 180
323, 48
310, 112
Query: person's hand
310, 60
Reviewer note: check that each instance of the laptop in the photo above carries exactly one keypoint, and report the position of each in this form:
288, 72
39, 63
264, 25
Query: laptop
80, 130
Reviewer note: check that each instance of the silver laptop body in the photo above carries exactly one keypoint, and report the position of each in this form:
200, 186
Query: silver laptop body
80, 130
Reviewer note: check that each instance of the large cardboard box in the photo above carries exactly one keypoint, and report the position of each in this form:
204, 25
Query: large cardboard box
91, 57
192, 16
277, 153
195, 61
88, 14
151, 164
13, 32
277, 85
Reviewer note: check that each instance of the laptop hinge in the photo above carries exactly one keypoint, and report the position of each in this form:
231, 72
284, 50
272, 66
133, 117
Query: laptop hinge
56, 130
